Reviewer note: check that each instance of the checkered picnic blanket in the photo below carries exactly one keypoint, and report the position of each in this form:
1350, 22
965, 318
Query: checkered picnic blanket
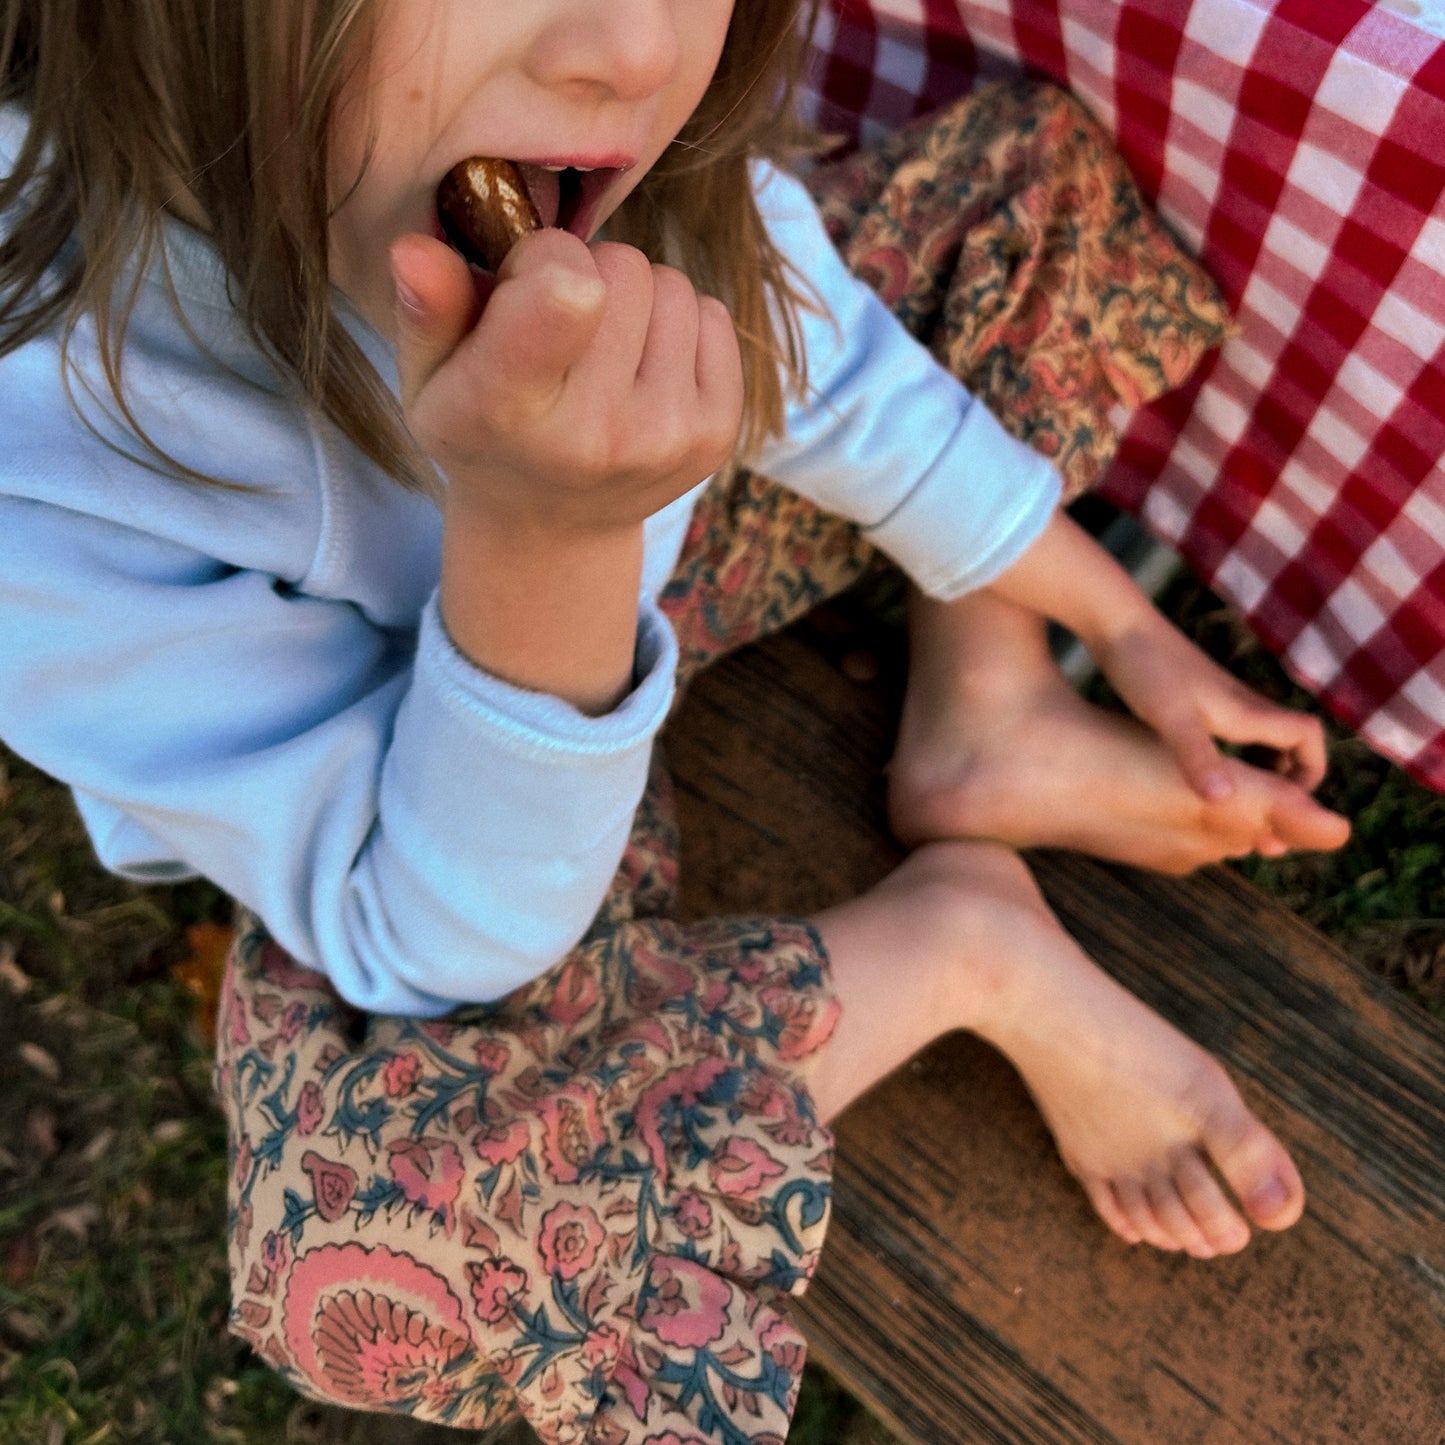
1298, 148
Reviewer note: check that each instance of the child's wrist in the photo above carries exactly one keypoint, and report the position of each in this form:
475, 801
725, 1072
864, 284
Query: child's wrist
550, 613
1129, 615
1068, 577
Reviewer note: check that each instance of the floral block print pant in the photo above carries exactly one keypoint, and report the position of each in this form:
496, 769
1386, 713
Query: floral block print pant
588, 1202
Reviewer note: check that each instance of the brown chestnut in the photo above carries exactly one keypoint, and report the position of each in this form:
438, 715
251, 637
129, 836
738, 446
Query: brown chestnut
485, 209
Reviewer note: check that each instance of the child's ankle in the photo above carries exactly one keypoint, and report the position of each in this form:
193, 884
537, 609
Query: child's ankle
965, 901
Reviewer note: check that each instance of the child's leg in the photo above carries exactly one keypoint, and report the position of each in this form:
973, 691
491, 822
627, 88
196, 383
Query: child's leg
757, 558
585, 1204
1007, 234
960, 937
994, 743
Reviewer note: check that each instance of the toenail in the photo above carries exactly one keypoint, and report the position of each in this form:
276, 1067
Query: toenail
1269, 1197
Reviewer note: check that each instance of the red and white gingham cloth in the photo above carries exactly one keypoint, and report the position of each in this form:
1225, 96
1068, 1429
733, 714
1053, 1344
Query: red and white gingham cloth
1298, 148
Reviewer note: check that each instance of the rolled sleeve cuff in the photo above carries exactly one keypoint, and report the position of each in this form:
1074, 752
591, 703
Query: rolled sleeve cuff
507, 813
535, 723
952, 538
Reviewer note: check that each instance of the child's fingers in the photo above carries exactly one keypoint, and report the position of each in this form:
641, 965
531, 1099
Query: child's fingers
610, 367
1199, 758
547, 306
720, 368
1296, 737
691, 362
672, 328
436, 305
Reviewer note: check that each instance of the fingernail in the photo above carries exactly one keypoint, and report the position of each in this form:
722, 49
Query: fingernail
409, 301
575, 291
1218, 787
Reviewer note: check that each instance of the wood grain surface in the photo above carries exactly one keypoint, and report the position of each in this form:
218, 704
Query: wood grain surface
967, 1293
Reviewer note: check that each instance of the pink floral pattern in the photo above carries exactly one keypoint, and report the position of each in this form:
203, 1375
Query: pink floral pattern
560, 1205
1008, 235
569, 1239
588, 1203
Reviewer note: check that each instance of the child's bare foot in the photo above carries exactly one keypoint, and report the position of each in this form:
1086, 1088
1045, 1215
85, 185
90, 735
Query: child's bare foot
1031, 764
994, 743
1146, 1120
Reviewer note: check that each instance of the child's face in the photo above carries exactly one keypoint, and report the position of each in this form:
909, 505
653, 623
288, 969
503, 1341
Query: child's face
599, 85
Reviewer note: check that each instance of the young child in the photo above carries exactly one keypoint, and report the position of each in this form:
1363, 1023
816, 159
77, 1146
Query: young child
361, 583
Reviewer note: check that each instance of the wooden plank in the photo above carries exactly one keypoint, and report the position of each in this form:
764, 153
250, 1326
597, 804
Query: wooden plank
967, 1293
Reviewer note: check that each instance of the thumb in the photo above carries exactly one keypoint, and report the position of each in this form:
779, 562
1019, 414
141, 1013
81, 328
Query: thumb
436, 306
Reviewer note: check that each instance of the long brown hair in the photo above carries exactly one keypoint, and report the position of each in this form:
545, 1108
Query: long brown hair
234, 103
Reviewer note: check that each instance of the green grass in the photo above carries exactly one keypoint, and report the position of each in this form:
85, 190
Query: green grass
1381, 896
112, 1273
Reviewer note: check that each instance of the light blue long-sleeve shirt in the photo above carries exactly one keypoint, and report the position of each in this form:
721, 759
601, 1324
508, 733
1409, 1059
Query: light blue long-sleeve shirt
256, 686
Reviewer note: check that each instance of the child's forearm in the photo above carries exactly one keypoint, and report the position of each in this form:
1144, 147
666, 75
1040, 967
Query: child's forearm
554, 614
1069, 578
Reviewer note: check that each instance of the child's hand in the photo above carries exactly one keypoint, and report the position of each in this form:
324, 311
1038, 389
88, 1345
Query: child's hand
1190, 702
1165, 680
589, 391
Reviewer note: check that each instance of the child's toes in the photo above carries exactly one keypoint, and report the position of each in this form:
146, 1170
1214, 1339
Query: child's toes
1255, 1166
1279, 1201
1175, 1216
1139, 1211
1218, 1220
1107, 1207
1298, 820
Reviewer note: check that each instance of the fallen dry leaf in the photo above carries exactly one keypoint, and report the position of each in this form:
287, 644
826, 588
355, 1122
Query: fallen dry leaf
40, 1131
11, 974
41, 1060
202, 970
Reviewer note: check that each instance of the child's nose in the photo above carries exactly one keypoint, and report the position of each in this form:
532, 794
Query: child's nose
627, 48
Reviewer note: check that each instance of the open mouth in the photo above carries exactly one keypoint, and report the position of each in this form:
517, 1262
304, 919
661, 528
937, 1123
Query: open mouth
569, 196
565, 196
485, 205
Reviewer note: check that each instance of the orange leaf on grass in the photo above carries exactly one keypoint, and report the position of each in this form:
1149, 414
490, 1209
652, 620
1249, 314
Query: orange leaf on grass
202, 970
